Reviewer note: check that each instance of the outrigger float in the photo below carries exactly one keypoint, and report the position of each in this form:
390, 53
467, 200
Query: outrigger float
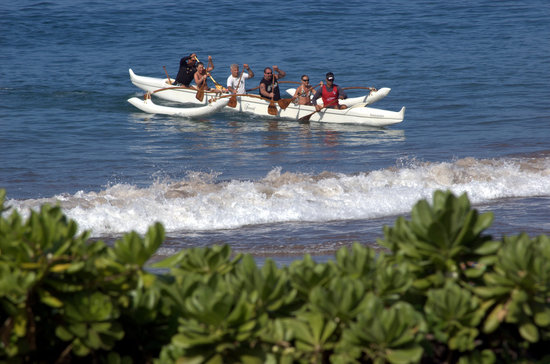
146, 104
356, 113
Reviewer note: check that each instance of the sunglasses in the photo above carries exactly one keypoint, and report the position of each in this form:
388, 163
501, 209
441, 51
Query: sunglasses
305, 80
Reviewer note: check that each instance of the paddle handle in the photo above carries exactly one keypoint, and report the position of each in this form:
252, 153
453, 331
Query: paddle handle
361, 88
248, 95
165, 71
240, 78
307, 117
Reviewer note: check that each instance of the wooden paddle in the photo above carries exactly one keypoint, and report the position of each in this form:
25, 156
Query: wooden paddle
252, 89
200, 92
165, 71
233, 100
171, 88
362, 88
249, 95
305, 119
283, 103
272, 109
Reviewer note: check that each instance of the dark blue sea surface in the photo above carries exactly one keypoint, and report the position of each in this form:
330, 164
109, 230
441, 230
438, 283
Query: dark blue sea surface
474, 77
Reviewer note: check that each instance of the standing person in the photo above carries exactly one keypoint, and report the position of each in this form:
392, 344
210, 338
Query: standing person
303, 92
201, 75
269, 85
330, 94
186, 72
233, 84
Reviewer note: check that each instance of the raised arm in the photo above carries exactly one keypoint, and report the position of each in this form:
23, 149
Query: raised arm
210, 67
250, 73
280, 72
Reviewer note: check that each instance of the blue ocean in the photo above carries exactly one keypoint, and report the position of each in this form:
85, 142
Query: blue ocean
474, 77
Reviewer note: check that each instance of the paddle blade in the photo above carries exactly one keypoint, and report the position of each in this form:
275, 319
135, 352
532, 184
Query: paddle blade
305, 119
200, 94
272, 109
232, 101
283, 103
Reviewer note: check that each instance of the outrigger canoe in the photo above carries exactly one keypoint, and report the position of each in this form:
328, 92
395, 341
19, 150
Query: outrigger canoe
356, 113
162, 88
146, 104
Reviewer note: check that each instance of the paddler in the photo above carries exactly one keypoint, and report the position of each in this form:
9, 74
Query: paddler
236, 81
269, 85
202, 74
303, 92
186, 72
330, 93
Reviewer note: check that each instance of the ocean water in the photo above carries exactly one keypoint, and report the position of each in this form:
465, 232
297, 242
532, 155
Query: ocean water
473, 75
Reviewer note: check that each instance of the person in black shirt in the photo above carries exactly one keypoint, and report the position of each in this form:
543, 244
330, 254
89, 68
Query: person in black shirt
269, 85
186, 73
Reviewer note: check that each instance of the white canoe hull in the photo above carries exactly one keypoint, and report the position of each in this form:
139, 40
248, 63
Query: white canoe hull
149, 106
369, 99
353, 115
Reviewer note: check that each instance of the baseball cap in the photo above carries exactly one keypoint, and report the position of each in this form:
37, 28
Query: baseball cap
330, 76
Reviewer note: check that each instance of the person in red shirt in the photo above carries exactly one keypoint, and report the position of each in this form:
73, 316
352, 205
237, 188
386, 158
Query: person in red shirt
330, 93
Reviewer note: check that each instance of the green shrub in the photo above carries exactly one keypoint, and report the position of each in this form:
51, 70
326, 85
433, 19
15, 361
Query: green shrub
442, 292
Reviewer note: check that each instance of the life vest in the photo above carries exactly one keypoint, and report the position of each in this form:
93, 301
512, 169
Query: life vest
329, 97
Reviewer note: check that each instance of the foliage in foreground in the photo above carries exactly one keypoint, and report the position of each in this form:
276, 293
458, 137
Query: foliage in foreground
442, 292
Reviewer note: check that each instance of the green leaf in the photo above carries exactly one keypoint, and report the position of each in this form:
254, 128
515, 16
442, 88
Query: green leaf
484, 221
249, 359
62, 333
134, 250
20, 326
48, 299
488, 292
93, 340
51, 301
542, 318
406, 355
529, 332
171, 261
78, 329
58, 268
494, 319
474, 272
488, 247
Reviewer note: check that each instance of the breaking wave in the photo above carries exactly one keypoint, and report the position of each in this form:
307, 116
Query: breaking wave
200, 202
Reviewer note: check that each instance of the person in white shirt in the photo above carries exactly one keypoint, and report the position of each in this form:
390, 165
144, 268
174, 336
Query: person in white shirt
233, 84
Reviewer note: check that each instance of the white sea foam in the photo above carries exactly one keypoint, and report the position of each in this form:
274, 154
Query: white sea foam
200, 203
